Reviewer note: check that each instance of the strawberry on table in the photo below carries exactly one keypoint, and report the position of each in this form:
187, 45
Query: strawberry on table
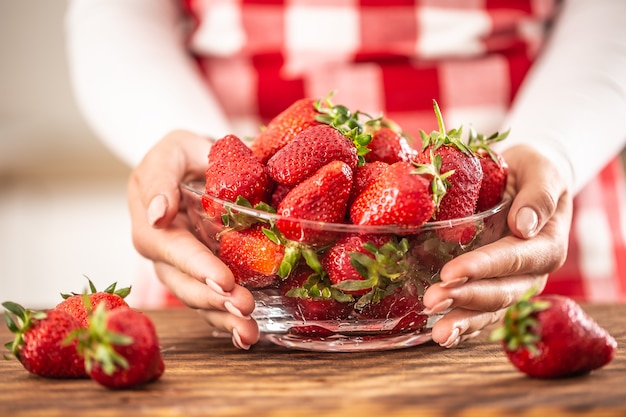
40, 341
323, 197
75, 304
121, 348
551, 336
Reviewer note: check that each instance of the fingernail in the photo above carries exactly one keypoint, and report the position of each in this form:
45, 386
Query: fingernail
453, 340
237, 341
234, 310
454, 282
470, 335
157, 209
526, 221
439, 307
216, 287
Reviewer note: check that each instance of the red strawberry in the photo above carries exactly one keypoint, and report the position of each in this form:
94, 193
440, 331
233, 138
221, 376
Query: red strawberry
75, 303
311, 331
466, 174
388, 144
398, 196
40, 342
322, 197
301, 115
396, 301
121, 348
310, 150
284, 127
380, 273
495, 169
253, 258
310, 296
411, 322
234, 171
279, 193
337, 260
364, 175
550, 336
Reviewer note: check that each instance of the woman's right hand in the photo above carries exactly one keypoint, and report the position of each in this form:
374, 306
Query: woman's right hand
162, 233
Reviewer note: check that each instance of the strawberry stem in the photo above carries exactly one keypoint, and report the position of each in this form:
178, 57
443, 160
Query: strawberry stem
97, 343
519, 330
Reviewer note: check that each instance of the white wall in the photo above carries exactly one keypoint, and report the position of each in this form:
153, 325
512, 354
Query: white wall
62, 194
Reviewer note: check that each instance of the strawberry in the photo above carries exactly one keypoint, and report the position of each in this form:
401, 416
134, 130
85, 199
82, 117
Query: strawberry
233, 171
323, 197
364, 175
310, 331
457, 158
337, 260
40, 341
310, 150
495, 169
400, 195
279, 193
301, 115
411, 322
310, 296
76, 304
388, 143
253, 258
396, 301
379, 274
284, 127
121, 348
550, 336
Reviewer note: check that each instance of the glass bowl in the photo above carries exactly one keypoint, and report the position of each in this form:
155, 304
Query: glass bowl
390, 316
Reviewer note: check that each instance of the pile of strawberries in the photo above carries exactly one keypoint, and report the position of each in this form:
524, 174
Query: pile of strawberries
318, 163
92, 335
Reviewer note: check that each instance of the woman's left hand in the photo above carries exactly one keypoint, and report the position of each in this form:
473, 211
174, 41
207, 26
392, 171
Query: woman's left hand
479, 285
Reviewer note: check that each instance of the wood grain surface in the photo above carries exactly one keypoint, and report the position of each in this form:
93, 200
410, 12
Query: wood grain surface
206, 375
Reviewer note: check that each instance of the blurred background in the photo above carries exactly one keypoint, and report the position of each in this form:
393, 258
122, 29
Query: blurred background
62, 193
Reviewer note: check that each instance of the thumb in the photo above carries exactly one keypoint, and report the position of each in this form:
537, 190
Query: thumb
155, 181
537, 186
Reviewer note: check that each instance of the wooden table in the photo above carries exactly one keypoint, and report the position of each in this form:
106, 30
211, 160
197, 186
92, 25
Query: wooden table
208, 376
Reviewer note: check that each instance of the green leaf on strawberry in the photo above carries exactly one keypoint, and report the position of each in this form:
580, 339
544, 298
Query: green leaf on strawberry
382, 273
439, 184
345, 121
238, 220
478, 141
317, 286
442, 137
520, 323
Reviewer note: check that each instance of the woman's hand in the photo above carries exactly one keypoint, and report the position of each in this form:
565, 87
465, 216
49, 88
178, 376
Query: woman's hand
479, 285
161, 232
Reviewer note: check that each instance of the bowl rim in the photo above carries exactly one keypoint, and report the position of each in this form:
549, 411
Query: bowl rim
196, 189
